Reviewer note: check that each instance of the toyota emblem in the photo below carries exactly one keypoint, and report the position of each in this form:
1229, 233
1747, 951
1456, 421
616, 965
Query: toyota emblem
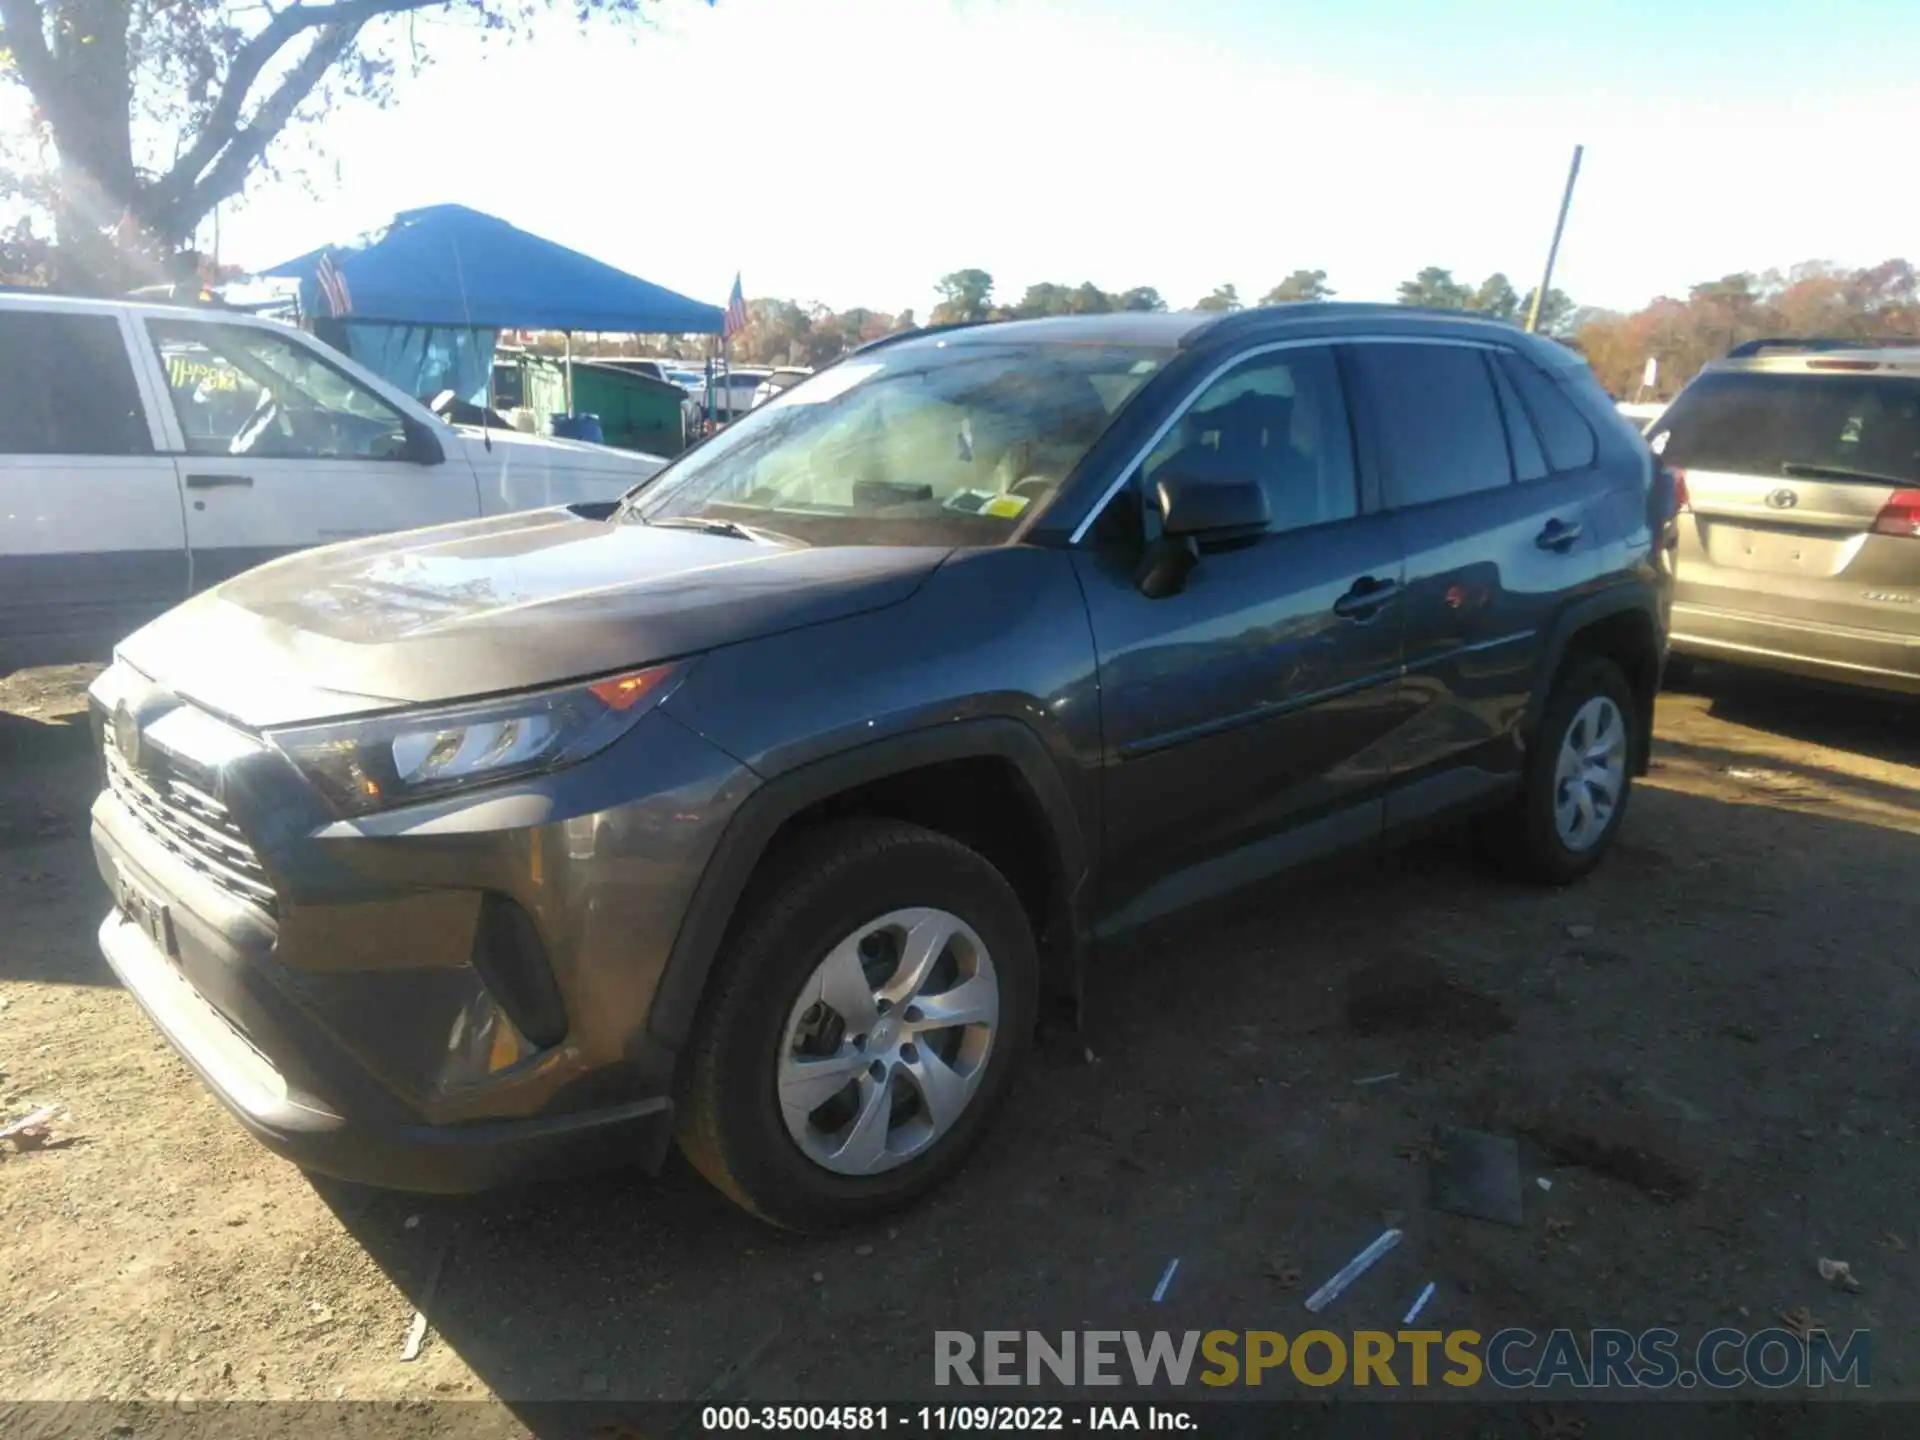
1783, 499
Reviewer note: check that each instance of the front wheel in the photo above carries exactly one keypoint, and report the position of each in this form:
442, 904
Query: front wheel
870, 1012
1579, 776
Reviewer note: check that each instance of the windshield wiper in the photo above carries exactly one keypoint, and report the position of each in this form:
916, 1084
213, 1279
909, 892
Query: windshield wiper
1839, 472
704, 524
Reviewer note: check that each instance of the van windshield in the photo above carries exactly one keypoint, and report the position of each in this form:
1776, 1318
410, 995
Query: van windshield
945, 444
1754, 423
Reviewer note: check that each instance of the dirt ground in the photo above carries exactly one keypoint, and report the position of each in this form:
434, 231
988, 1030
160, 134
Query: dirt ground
1711, 1048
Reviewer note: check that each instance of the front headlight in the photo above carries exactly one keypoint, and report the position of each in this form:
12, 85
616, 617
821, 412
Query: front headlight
387, 760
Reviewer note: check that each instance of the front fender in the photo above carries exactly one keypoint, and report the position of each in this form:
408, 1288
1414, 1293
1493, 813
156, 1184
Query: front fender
703, 928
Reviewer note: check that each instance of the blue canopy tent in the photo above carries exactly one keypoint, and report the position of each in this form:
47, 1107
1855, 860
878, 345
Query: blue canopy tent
422, 301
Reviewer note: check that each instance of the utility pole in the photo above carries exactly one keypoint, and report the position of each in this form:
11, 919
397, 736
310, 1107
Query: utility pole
1553, 250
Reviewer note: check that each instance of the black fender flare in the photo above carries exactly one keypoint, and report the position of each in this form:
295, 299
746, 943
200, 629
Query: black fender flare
1574, 617
745, 841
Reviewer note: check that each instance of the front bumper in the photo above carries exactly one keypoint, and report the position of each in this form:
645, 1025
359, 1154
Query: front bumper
1877, 659
335, 1018
434, 1158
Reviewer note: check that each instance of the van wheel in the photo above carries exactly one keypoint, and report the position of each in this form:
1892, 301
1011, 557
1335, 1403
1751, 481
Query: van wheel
867, 1015
1579, 776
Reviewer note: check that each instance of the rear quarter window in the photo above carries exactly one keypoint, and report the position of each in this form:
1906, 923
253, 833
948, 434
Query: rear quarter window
67, 387
1564, 433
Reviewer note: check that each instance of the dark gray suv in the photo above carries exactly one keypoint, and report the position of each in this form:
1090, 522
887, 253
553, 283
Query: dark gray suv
762, 808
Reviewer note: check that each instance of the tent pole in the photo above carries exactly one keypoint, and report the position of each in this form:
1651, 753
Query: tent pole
569, 335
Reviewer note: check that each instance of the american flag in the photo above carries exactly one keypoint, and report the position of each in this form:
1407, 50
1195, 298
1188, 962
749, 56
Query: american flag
332, 286
736, 312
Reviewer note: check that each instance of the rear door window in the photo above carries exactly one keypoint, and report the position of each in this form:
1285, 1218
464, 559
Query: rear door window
1438, 421
1818, 426
67, 387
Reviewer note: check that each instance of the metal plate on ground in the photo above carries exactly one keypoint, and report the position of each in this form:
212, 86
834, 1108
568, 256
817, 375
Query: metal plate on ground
1479, 1175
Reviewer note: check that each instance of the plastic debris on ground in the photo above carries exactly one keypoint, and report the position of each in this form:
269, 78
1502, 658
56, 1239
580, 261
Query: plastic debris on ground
1166, 1279
1351, 1271
1838, 1274
1419, 1304
417, 1331
416, 1337
30, 1132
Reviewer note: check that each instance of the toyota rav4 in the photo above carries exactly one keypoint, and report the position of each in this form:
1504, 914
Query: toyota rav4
761, 808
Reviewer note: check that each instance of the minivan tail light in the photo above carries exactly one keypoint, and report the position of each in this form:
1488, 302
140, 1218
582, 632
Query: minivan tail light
1900, 515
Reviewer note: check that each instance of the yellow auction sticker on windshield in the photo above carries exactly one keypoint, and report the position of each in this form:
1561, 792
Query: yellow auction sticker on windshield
1005, 506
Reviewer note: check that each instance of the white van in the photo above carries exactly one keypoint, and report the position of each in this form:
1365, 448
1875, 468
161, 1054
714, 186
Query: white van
150, 451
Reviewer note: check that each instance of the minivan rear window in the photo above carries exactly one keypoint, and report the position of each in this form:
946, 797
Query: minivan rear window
1755, 423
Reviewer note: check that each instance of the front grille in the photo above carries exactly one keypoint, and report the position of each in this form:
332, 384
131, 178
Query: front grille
194, 826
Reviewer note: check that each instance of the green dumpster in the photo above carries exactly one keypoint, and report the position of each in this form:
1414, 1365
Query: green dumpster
636, 412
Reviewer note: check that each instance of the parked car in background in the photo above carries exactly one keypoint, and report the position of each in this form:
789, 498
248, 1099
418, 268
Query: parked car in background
1800, 541
761, 810
733, 390
652, 369
782, 379
148, 452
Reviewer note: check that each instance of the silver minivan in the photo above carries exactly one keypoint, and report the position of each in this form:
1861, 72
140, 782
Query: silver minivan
1800, 527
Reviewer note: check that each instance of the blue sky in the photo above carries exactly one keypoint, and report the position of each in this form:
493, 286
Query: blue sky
852, 151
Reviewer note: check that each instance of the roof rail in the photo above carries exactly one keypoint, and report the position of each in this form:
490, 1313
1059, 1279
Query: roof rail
1256, 317
917, 332
1817, 344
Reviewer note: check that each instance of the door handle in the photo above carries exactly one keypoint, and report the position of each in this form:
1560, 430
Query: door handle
1558, 536
213, 482
1366, 597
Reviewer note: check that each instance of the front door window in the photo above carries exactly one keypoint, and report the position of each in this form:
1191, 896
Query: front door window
238, 390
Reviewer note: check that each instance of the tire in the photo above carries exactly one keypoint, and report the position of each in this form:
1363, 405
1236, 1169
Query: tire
1527, 839
817, 1172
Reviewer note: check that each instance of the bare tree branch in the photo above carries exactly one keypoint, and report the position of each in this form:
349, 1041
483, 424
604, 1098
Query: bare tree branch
222, 123
229, 172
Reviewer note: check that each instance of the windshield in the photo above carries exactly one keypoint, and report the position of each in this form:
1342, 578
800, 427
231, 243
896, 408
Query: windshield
946, 444
1757, 424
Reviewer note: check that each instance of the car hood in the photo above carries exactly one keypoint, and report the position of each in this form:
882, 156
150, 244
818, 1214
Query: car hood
574, 454
494, 605
504, 451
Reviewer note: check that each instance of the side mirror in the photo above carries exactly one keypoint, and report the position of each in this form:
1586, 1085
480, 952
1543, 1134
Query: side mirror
1197, 510
1209, 509
423, 446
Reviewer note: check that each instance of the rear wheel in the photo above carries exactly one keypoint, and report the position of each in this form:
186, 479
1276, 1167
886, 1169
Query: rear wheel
1578, 779
862, 1025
